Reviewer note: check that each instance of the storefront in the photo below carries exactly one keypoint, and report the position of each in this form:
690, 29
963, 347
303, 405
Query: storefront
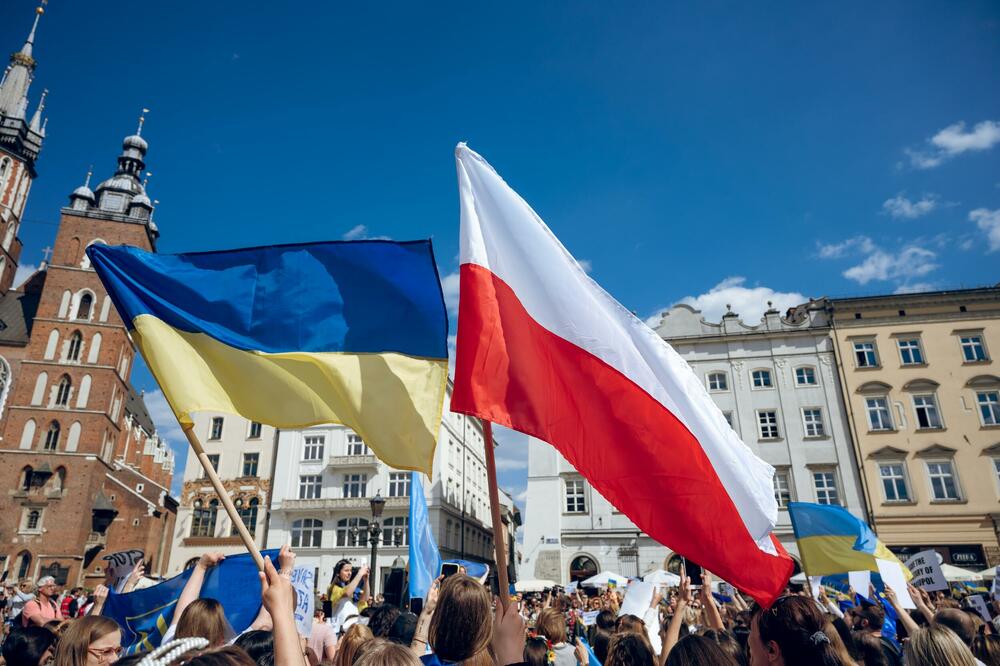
970, 557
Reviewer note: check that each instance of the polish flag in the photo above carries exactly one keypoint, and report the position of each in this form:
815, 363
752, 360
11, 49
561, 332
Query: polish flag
543, 349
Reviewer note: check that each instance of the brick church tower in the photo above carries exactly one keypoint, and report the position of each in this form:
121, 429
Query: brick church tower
80, 461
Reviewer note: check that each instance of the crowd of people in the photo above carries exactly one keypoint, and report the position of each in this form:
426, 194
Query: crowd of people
461, 622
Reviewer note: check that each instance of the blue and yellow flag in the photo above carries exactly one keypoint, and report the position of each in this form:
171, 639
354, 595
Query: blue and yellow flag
832, 541
295, 335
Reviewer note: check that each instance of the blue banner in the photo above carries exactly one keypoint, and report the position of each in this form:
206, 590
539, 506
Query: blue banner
425, 559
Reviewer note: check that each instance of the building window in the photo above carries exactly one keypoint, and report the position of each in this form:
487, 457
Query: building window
576, 500
399, 484
254, 430
313, 448
250, 461
973, 349
894, 482
865, 355
73, 351
943, 485
355, 485
52, 437
805, 376
63, 391
248, 516
85, 306
879, 417
213, 459
216, 430
389, 526
989, 407
927, 412
717, 381
310, 486
203, 518
356, 446
761, 378
352, 532
826, 488
307, 533
812, 420
33, 520
910, 352
767, 424
782, 489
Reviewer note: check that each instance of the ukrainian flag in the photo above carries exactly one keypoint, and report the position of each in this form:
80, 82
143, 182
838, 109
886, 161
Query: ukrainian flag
832, 541
294, 335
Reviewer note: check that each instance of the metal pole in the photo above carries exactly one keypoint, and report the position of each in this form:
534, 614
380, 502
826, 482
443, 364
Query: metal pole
373, 574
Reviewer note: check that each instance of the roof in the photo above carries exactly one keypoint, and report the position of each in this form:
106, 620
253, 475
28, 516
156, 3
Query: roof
17, 310
136, 406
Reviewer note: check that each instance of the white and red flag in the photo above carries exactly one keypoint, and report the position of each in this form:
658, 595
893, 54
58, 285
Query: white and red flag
543, 349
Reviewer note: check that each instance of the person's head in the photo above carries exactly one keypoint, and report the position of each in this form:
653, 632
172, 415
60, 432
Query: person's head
381, 652
462, 624
630, 649
381, 618
349, 643
342, 573
47, 586
605, 620
728, 644
403, 629
693, 650
630, 624
987, 649
319, 615
30, 646
536, 652
227, 655
867, 648
93, 640
958, 621
26, 586
205, 618
600, 644
937, 645
792, 632
258, 644
552, 625
868, 618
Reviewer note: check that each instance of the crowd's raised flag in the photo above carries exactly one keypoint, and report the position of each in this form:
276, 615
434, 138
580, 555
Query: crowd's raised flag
294, 335
145, 615
833, 541
425, 558
544, 350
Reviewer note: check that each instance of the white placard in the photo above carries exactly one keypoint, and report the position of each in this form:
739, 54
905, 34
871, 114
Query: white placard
926, 571
638, 597
302, 581
814, 583
860, 580
893, 577
572, 587
979, 604
995, 589
589, 618
120, 566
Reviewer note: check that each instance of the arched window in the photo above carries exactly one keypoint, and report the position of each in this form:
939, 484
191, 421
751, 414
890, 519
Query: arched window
581, 568
34, 517
39, 393
26, 475
203, 518
28, 434
59, 480
85, 306
85, 261
352, 532
52, 437
24, 564
389, 525
248, 514
73, 351
63, 391
307, 533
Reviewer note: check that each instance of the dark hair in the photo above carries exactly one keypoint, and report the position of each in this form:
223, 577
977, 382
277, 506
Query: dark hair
381, 618
228, 655
335, 578
693, 650
728, 644
536, 652
797, 625
258, 644
600, 643
605, 620
959, 622
987, 649
874, 615
403, 629
630, 649
630, 623
868, 649
25, 646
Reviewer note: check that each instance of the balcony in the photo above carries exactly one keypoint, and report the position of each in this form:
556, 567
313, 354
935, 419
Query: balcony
353, 461
335, 503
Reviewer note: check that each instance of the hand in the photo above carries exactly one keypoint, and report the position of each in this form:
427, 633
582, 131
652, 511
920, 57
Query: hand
209, 560
276, 591
508, 635
705, 594
430, 603
889, 594
657, 597
100, 594
286, 560
684, 592
362, 572
134, 577
822, 595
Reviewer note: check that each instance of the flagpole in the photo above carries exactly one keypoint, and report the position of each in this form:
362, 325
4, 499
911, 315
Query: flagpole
224, 497
499, 546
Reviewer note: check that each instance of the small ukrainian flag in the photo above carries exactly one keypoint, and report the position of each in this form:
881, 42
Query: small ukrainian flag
294, 335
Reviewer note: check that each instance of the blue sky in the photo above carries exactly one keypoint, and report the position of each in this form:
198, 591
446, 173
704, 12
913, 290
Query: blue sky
709, 152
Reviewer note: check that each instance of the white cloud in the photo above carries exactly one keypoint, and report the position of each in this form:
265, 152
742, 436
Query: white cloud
449, 286
169, 429
859, 244
508, 464
911, 262
354, 233
900, 207
521, 497
24, 271
955, 140
989, 222
915, 288
749, 302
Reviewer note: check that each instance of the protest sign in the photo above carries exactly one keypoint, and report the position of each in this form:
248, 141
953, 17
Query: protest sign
589, 618
572, 587
814, 583
979, 605
638, 596
120, 566
302, 581
926, 571
894, 578
860, 580
995, 589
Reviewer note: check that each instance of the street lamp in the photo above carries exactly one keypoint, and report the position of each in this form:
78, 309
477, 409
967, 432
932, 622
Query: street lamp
374, 531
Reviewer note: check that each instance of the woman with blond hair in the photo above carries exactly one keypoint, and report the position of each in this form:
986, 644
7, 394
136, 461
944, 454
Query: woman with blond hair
89, 641
347, 646
937, 645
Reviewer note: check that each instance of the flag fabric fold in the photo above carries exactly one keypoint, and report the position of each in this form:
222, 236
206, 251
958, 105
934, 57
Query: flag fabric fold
294, 335
833, 541
425, 558
544, 350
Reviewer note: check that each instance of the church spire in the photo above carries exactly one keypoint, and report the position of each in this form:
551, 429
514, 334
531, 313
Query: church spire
14, 91
36, 120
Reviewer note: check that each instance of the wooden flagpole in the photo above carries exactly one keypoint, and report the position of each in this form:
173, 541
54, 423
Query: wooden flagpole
499, 543
227, 501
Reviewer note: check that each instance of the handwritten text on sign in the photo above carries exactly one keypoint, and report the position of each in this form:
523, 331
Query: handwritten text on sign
302, 581
120, 566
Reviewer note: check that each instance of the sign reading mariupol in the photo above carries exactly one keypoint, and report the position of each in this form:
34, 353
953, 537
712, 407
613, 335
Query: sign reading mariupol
926, 571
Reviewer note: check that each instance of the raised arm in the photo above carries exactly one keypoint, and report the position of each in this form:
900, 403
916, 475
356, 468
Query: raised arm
192, 589
673, 633
418, 646
712, 616
904, 616
278, 597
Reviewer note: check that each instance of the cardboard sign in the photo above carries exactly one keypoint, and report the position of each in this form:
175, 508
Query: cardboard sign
894, 578
589, 618
926, 571
979, 605
120, 566
302, 581
638, 597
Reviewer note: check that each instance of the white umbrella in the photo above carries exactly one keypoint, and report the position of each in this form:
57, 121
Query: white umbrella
800, 577
661, 577
988, 573
604, 579
954, 574
533, 585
